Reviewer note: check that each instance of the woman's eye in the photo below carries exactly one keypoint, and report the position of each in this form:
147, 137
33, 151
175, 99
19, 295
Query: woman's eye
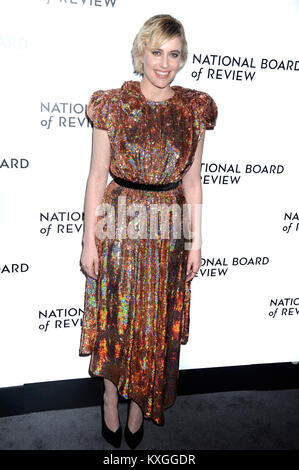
174, 54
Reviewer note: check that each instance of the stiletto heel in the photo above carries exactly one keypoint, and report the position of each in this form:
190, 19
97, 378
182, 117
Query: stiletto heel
133, 438
113, 437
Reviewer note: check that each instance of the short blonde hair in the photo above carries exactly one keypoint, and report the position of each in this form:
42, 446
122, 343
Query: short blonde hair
162, 28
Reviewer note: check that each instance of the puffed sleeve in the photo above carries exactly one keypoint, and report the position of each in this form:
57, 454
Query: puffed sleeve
205, 112
98, 109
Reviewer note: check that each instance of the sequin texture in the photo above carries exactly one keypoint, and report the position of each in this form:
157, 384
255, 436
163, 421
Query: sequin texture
137, 313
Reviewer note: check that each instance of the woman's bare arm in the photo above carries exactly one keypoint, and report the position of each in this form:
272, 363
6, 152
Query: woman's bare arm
96, 182
96, 185
193, 194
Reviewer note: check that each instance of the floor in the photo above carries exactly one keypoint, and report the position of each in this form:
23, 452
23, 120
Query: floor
238, 420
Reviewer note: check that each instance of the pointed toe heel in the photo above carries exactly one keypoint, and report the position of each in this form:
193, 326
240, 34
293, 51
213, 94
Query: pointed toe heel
112, 437
134, 438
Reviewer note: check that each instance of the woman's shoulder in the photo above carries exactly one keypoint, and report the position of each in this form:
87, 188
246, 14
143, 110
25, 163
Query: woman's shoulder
100, 95
100, 106
200, 102
190, 94
100, 101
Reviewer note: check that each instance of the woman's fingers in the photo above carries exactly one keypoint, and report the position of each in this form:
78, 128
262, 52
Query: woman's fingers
96, 264
192, 269
90, 264
190, 274
91, 271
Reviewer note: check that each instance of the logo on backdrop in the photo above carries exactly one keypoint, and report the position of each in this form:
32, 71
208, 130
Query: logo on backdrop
63, 114
291, 222
286, 307
59, 319
227, 173
86, 3
12, 163
14, 268
227, 67
218, 267
54, 223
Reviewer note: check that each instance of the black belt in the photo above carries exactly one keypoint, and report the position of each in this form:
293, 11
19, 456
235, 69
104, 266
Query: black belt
147, 187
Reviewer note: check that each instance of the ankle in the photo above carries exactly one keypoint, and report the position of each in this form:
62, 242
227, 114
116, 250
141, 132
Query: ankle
135, 418
110, 398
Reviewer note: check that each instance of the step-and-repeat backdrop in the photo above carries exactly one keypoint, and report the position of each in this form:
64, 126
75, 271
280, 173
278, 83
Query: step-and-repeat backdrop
54, 54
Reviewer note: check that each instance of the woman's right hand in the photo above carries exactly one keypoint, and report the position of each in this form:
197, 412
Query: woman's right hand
90, 260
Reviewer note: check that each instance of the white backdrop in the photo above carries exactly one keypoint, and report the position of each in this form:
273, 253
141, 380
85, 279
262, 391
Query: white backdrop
54, 54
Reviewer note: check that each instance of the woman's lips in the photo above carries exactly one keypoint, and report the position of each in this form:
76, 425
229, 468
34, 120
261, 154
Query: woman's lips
161, 74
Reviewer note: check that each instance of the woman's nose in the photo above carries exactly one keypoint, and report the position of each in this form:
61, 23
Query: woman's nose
165, 61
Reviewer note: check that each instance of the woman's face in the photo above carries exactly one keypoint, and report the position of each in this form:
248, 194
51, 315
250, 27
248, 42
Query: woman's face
161, 65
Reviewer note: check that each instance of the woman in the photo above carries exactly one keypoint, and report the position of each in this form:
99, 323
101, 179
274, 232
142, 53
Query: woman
150, 137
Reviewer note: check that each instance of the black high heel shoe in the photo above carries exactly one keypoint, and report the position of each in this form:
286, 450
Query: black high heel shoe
134, 438
113, 437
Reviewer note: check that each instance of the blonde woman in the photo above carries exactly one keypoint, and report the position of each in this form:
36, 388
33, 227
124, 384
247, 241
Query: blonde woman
149, 136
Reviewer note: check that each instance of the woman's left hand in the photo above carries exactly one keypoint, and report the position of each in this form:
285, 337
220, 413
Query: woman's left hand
193, 264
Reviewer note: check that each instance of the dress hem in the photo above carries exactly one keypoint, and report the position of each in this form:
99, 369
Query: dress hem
162, 423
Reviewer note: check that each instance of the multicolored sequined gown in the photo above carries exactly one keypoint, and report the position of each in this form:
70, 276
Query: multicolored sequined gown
136, 313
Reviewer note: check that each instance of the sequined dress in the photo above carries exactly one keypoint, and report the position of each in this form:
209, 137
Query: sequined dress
137, 313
